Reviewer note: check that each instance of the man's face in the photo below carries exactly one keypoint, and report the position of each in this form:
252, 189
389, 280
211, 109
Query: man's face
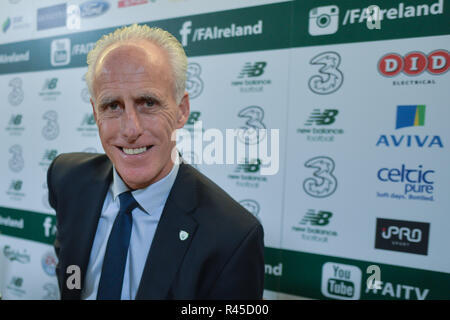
136, 111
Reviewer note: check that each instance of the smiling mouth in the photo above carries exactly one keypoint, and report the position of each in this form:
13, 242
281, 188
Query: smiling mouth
134, 151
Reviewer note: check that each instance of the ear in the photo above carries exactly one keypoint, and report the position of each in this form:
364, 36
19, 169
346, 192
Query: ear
93, 109
183, 111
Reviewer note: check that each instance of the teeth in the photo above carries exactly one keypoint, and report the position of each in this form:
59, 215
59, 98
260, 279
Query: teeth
134, 151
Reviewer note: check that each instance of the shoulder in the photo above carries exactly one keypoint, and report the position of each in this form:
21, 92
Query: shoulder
78, 160
215, 207
71, 171
68, 165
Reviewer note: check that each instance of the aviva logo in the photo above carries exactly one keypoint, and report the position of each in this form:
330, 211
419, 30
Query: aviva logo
410, 116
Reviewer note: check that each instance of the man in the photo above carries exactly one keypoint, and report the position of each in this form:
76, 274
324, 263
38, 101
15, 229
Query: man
136, 222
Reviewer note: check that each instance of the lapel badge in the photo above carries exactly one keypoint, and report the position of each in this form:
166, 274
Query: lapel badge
183, 235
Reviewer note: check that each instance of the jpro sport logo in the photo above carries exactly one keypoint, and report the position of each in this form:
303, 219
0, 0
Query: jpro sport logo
403, 236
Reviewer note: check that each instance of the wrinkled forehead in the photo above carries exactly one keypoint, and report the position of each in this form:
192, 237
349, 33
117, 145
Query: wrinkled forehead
132, 58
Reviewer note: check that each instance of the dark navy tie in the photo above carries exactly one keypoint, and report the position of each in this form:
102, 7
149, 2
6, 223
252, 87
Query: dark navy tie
111, 279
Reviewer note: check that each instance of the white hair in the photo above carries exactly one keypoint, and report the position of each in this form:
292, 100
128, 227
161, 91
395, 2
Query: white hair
160, 37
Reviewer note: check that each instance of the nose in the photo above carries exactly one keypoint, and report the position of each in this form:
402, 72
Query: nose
131, 127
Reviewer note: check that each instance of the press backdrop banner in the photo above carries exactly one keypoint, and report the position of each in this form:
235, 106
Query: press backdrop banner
359, 206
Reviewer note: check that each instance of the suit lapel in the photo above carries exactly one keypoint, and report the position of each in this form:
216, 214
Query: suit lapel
169, 243
88, 212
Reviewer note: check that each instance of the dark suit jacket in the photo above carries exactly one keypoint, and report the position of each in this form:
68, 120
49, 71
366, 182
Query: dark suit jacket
221, 259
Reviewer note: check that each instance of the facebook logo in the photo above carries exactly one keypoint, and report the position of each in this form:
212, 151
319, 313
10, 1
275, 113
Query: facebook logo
185, 31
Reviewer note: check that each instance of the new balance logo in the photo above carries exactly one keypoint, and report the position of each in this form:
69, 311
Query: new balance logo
321, 218
252, 70
327, 117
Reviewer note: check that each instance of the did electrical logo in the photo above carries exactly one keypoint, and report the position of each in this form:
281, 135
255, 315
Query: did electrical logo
415, 67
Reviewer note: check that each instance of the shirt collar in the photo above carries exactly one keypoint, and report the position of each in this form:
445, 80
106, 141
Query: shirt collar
151, 197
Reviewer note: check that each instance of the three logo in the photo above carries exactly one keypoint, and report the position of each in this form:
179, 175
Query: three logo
15, 97
252, 132
323, 183
194, 84
16, 163
330, 78
252, 206
51, 130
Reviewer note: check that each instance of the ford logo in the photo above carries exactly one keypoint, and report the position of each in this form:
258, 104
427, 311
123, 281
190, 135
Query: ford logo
92, 9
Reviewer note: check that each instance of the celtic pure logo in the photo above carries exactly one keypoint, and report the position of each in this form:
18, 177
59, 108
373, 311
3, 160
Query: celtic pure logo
251, 133
15, 97
51, 129
251, 205
323, 184
330, 78
194, 84
16, 163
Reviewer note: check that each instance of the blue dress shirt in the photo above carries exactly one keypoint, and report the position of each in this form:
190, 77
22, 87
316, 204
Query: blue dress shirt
145, 220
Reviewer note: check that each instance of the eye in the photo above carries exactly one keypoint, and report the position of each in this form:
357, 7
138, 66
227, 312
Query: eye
113, 106
149, 103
